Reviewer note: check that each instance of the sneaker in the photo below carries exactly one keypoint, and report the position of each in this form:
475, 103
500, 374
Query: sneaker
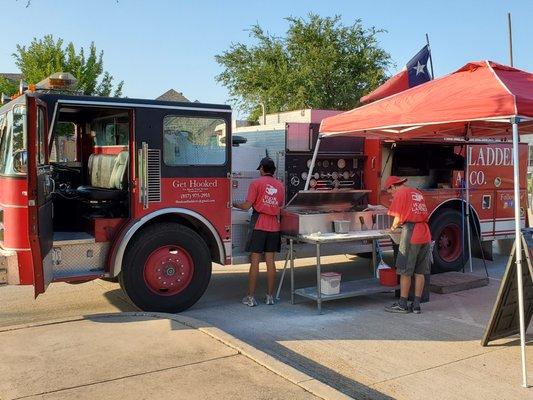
415, 310
269, 300
397, 308
249, 301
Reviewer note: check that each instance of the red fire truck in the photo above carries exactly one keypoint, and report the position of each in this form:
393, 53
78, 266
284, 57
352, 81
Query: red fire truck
143, 192
145, 196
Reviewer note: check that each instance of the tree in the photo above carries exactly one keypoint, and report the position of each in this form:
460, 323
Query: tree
320, 63
8, 87
43, 57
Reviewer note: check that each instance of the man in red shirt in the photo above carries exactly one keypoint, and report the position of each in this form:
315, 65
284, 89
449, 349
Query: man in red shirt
265, 197
411, 214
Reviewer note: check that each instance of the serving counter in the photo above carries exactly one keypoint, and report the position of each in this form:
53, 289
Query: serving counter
309, 218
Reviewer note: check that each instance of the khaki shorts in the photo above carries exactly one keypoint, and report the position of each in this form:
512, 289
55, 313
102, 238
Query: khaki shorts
412, 258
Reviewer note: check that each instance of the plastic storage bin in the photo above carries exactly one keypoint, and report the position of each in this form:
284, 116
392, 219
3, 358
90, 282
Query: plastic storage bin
330, 283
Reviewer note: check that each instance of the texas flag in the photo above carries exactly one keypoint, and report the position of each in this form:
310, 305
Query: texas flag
414, 73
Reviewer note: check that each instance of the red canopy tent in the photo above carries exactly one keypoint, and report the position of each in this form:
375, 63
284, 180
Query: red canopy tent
479, 96
480, 100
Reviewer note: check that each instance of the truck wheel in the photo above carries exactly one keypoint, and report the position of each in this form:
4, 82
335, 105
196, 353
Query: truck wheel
447, 232
167, 268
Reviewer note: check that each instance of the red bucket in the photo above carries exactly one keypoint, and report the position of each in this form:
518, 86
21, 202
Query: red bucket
388, 277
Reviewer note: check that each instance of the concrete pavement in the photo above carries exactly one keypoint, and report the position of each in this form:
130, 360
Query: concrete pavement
139, 356
354, 347
366, 353
61, 300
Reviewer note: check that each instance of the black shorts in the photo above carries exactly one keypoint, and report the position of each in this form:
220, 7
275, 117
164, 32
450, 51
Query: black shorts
412, 258
263, 242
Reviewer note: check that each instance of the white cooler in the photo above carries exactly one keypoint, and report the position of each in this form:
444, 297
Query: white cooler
330, 283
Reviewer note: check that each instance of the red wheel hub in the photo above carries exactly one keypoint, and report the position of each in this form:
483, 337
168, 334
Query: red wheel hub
449, 243
168, 270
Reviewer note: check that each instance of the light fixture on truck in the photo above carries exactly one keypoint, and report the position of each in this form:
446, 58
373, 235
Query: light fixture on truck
58, 81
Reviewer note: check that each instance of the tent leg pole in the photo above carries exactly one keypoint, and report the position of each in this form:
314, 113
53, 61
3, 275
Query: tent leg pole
518, 246
468, 234
312, 166
467, 180
463, 246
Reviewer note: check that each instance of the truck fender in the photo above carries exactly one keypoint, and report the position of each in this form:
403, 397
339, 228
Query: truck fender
457, 203
480, 248
119, 247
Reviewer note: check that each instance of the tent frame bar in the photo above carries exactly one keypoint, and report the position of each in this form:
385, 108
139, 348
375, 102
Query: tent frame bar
312, 166
396, 129
467, 211
518, 243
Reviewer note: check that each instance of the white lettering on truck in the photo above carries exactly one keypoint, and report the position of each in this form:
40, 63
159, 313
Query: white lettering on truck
488, 156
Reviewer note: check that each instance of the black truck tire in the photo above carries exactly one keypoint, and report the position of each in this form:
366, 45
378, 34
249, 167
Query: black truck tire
166, 268
448, 233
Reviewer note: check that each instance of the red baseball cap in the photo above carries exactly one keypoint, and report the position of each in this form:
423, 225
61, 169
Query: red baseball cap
394, 180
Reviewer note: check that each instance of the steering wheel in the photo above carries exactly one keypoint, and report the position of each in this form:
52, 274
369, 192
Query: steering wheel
66, 168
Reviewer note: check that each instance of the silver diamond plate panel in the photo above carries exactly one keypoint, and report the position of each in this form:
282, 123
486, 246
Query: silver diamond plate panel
69, 259
48, 268
239, 234
240, 184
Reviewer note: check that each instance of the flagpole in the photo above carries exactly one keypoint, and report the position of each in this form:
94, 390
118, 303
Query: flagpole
510, 38
430, 57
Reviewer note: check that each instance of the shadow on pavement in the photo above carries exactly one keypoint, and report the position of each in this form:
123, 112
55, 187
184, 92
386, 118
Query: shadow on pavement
327, 375
117, 298
295, 334
135, 317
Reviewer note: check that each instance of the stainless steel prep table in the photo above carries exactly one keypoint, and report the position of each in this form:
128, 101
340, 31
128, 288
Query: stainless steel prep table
348, 289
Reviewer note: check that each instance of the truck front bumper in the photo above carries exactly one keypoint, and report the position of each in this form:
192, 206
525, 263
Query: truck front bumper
9, 267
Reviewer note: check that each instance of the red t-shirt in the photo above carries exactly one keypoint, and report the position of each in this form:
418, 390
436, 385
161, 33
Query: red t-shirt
409, 206
266, 195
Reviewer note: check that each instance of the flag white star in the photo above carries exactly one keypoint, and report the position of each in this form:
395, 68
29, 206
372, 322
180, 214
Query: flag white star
419, 68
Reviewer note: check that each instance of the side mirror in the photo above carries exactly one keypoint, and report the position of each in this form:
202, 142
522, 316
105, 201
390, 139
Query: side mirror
236, 140
20, 161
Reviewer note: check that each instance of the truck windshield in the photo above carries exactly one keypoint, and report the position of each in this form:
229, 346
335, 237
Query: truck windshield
12, 139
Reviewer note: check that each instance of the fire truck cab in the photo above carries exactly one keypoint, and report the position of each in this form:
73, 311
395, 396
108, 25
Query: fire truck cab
102, 187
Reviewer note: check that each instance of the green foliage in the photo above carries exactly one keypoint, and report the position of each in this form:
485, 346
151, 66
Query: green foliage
320, 63
8, 87
43, 57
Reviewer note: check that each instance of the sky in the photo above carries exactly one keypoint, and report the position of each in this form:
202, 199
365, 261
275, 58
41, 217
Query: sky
161, 44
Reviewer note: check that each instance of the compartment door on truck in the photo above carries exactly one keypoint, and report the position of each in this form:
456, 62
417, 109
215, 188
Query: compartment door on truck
40, 188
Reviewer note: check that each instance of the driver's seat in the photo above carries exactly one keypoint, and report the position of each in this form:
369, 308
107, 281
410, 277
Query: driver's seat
107, 177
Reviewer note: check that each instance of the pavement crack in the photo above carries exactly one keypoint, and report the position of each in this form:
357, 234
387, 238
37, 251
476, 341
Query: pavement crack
39, 325
123, 377
373, 385
305, 380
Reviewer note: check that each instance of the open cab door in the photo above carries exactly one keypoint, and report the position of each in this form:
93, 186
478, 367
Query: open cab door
40, 188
